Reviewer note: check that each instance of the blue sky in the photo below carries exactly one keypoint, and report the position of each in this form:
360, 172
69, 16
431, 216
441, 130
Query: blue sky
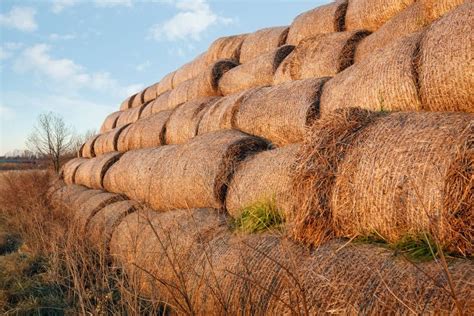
81, 58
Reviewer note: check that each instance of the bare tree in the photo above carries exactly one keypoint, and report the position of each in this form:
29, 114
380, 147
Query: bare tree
79, 139
50, 138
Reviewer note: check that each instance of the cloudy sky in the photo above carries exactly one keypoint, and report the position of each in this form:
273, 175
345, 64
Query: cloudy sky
81, 58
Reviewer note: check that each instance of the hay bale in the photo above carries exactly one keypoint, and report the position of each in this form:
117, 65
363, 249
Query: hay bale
280, 113
68, 170
184, 121
108, 141
446, 67
87, 149
110, 121
150, 93
165, 84
91, 172
386, 81
127, 103
323, 55
372, 14
192, 175
64, 196
145, 133
433, 9
255, 73
324, 19
190, 70
227, 47
263, 178
130, 116
399, 174
159, 104
139, 99
206, 84
262, 41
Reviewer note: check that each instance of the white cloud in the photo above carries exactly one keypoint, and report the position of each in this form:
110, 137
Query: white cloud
7, 49
194, 17
113, 3
20, 18
66, 72
143, 66
61, 37
60, 5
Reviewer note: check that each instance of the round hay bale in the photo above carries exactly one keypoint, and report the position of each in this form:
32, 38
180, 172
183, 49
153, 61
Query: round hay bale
150, 93
280, 113
434, 9
127, 103
190, 70
206, 84
324, 19
139, 99
64, 196
159, 251
385, 81
145, 133
165, 84
446, 64
227, 47
69, 169
130, 116
91, 172
184, 121
255, 73
110, 122
263, 178
87, 150
159, 104
323, 55
372, 14
262, 41
399, 175
108, 141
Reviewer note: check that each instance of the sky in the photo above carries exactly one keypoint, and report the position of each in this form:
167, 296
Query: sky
81, 58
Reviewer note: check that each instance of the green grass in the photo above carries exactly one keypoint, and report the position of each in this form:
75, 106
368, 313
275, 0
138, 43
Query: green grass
260, 216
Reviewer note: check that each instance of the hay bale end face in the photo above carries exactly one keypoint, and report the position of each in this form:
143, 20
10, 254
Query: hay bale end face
87, 149
68, 171
110, 121
91, 173
225, 48
127, 104
108, 142
150, 93
262, 41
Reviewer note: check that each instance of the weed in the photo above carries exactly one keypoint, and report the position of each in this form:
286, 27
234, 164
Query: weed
260, 216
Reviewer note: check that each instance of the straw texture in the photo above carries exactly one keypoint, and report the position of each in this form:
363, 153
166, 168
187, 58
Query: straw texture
446, 63
255, 73
323, 55
225, 48
87, 149
68, 171
150, 93
281, 113
62, 196
436, 8
108, 141
110, 121
130, 116
165, 84
139, 99
161, 103
190, 70
91, 172
127, 103
263, 178
386, 81
262, 41
328, 18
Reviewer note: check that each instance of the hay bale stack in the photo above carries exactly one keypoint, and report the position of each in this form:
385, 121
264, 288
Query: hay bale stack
328, 18
87, 149
372, 14
206, 84
150, 93
130, 116
91, 173
127, 103
68, 171
263, 178
281, 113
190, 70
184, 121
323, 55
262, 41
159, 104
110, 121
255, 73
227, 47
446, 64
145, 133
399, 175
64, 196
192, 175
139, 99
434, 9
165, 84
108, 141
167, 245
387, 80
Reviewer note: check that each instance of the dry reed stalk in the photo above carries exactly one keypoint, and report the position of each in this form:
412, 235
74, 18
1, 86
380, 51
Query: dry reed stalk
130, 116
262, 41
87, 149
69, 169
372, 14
263, 177
328, 18
436, 8
280, 113
254, 73
127, 103
184, 121
323, 55
91, 172
145, 133
190, 70
165, 84
110, 121
385, 81
225, 48
446, 63
108, 141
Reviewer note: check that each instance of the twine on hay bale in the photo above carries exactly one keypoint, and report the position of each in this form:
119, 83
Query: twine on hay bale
108, 141
127, 103
280, 113
396, 175
192, 175
262, 41
227, 47
110, 121
324, 19
372, 14
254, 73
68, 170
263, 178
323, 55
190, 70
184, 121
145, 133
87, 149
446, 64
91, 172
386, 81
165, 84
130, 116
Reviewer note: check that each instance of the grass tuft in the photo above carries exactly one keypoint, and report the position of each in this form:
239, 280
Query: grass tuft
260, 216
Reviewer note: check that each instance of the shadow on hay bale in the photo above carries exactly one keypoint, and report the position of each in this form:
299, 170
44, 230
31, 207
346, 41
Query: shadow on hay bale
87, 149
129, 116
262, 41
91, 172
396, 175
69, 169
108, 141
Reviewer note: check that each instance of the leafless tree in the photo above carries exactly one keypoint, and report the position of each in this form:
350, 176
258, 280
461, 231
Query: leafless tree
79, 139
50, 138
